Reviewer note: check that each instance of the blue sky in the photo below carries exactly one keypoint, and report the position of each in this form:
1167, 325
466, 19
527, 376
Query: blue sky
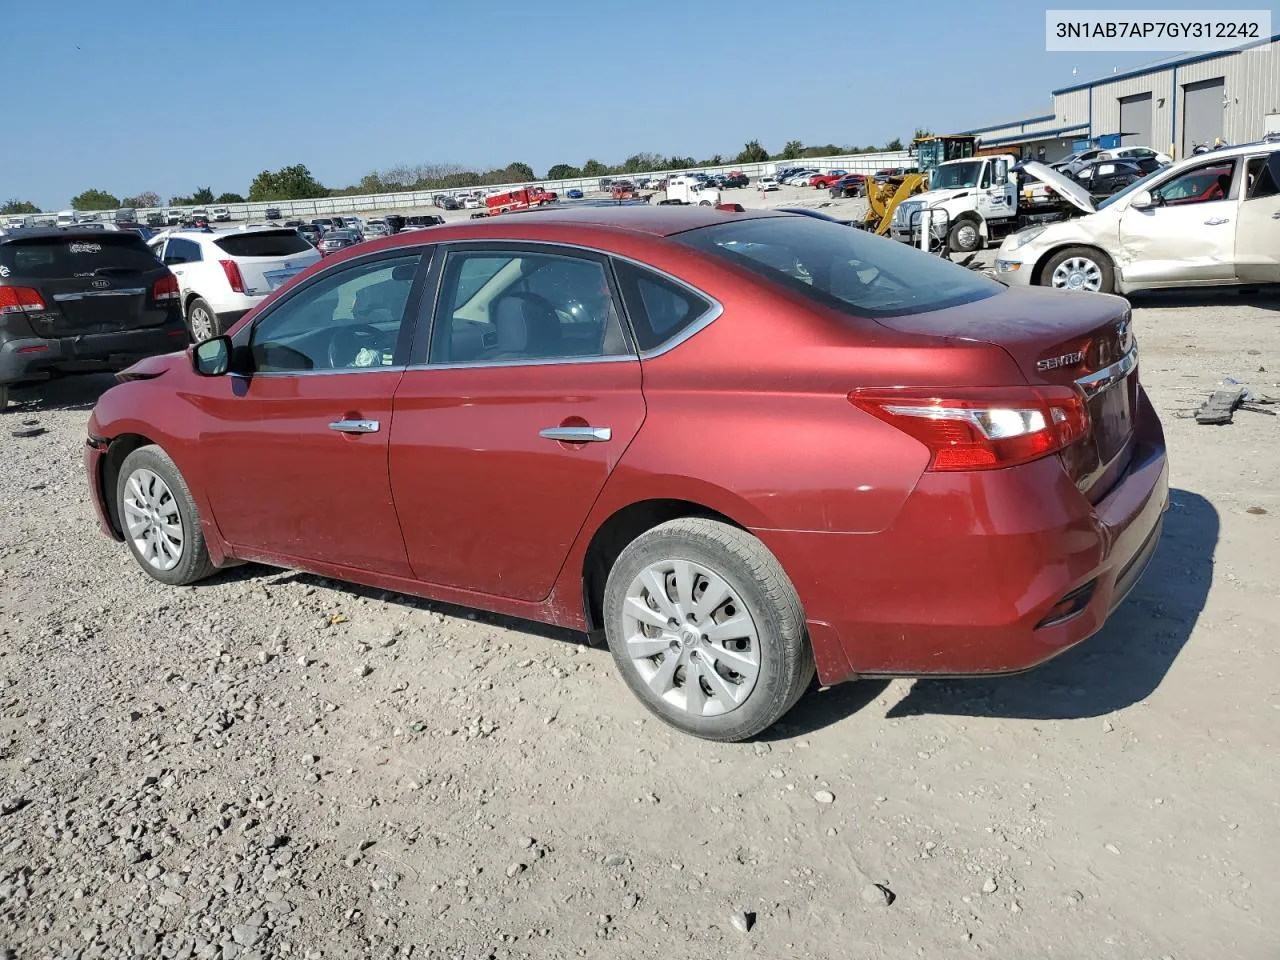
168, 96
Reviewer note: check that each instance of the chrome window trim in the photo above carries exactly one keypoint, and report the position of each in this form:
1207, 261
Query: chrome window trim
315, 373
121, 292
697, 326
530, 362
1096, 382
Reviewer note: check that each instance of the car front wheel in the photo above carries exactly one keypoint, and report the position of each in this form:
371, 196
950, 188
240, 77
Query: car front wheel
706, 629
159, 520
1078, 268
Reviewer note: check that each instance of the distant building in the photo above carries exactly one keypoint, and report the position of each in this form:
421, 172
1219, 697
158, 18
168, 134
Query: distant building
1232, 96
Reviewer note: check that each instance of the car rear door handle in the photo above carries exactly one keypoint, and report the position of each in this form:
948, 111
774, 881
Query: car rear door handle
1216, 222
355, 426
1276, 215
577, 434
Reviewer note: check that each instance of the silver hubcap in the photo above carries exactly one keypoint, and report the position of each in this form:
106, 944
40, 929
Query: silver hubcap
967, 236
152, 518
201, 324
691, 638
1078, 273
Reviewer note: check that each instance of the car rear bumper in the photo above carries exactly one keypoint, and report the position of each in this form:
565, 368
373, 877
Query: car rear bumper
36, 358
964, 581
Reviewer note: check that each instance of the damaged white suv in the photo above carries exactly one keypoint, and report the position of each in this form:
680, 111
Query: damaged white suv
1208, 220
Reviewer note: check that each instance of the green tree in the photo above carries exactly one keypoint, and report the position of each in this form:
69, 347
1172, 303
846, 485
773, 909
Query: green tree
95, 200
18, 206
752, 152
229, 198
593, 168
562, 171
519, 172
791, 150
287, 183
894, 144
146, 200
202, 197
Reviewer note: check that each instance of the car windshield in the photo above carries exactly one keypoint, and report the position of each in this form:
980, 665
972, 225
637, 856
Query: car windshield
1131, 188
841, 267
952, 176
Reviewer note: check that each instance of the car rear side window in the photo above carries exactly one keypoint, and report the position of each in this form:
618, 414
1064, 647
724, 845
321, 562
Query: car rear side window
660, 309
842, 267
264, 243
61, 256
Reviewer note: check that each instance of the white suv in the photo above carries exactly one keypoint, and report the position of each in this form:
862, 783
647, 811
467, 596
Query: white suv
221, 276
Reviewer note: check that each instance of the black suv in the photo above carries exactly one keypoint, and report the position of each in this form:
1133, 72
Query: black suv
82, 301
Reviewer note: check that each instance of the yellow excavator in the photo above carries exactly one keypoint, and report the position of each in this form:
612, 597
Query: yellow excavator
883, 196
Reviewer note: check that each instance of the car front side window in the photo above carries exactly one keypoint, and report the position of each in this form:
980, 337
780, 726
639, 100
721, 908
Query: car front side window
1201, 184
350, 320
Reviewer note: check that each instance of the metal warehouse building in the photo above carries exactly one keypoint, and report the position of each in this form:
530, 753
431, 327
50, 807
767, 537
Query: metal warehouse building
1229, 95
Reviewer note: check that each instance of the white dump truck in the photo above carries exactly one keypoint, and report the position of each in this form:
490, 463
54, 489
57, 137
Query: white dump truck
693, 191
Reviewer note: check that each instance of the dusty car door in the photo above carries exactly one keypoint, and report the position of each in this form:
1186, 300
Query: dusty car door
295, 450
507, 427
1258, 228
1188, 234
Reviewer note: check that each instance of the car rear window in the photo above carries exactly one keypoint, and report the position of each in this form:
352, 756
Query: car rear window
842, 267
57, 257
264, 243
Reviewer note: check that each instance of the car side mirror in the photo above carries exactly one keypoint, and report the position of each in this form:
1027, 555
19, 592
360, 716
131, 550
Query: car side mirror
1002, 173
212, 358
1143, 200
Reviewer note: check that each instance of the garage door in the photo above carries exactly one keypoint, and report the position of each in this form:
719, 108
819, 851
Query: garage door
1202, 113
1135, 121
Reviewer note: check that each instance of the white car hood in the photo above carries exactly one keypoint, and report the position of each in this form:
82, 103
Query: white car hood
1064, 185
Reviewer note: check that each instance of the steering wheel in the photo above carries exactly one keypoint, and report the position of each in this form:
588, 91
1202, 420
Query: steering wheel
347, 342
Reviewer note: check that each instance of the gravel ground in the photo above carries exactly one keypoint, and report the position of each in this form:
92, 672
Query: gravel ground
273, 765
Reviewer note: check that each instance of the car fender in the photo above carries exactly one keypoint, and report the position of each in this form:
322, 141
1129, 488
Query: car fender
1103, 234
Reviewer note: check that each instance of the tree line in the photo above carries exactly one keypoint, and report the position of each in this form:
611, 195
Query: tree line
296, 182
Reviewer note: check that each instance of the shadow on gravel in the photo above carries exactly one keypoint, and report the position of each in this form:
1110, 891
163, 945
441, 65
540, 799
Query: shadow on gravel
79, 392
1265, 298
545, 630
1124, 662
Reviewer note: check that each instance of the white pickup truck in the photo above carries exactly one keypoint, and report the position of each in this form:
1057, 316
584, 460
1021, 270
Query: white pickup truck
691, 190
975, 201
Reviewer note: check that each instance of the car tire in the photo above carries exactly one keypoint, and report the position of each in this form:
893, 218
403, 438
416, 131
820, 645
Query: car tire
704, 203
762, 629
1078, 268
965, 236
202, 322
4, 397
150, 495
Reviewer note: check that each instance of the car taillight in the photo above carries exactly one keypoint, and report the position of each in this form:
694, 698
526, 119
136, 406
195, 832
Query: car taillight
232, 270
977, 428
20, 300
165, 289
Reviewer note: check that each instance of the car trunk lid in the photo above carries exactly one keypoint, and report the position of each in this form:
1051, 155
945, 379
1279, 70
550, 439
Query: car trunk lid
267, 258
99, 282
1081, 340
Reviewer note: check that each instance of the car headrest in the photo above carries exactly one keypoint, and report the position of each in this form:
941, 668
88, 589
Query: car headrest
525, 326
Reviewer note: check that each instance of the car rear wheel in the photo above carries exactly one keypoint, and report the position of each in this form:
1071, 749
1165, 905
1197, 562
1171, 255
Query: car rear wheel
159, 520
202, 321
704, 203
706, 629
1078, 268
4, 397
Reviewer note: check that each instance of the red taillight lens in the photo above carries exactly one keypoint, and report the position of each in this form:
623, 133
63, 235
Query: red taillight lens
232, 270
982, 428
165, 289
20, 300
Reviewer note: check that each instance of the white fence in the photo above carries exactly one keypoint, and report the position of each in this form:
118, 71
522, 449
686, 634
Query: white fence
409, 200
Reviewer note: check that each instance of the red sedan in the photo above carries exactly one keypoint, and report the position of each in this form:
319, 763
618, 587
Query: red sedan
741, 445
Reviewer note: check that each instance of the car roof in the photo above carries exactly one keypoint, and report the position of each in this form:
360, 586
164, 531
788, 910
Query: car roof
80, 233
656, 221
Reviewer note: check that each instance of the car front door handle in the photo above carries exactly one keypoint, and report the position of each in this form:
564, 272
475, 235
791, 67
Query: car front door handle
1216, 222
1276, 215
355, 426
577, 434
